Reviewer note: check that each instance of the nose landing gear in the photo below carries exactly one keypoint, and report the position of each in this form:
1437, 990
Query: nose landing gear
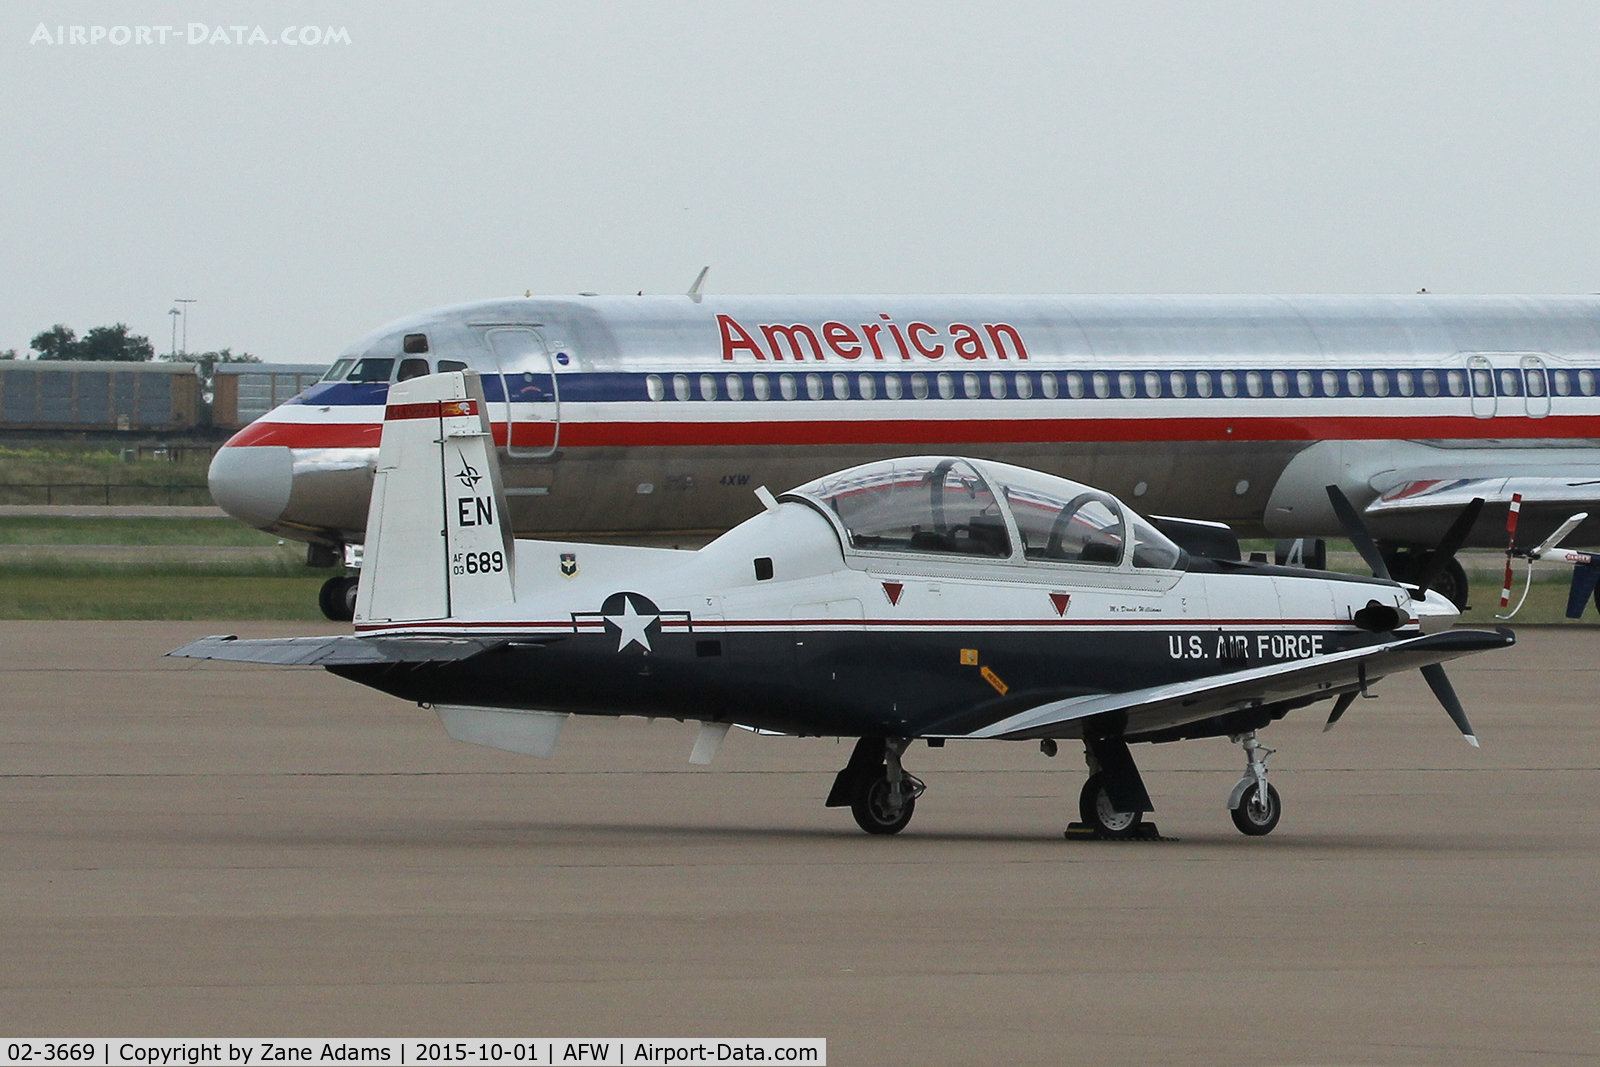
1254, 803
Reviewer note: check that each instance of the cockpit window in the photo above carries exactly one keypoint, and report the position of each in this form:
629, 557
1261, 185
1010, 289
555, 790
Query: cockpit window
1067, 523
372, 369
337, 372
448, 365
934, 506
412, 368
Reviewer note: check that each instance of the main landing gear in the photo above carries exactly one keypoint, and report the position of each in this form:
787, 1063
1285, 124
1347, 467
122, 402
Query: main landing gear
337, 598
878, 791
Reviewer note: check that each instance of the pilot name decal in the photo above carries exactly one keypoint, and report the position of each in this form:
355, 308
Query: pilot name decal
833, 339
1279, 646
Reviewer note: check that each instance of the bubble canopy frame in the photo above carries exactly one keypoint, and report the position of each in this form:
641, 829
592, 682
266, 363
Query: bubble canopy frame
953, 506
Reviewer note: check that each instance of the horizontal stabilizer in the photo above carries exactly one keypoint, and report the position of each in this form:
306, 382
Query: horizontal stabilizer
333, 651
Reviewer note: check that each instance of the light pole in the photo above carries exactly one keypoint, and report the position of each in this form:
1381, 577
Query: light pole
185, 303
172, 351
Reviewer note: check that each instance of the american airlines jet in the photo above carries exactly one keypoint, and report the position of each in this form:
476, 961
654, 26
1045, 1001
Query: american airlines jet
657, 416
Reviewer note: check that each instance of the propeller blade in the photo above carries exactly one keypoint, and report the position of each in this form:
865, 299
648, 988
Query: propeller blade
1340, 706
1512, 515
1505, 587
1439, 682
1453, 539
1562, 531
1356, 530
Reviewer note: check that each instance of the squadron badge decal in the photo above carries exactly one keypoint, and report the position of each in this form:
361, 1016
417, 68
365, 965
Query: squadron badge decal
569, 564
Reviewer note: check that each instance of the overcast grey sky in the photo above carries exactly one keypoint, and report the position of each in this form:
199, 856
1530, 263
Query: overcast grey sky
304, 194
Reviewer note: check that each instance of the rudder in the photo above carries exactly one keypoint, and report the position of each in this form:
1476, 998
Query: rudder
438, 543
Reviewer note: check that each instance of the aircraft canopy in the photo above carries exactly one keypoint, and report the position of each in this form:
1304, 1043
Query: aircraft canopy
952, 506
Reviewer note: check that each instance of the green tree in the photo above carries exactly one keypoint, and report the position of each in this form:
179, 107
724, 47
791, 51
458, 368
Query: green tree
10, 353
113, 343
58, 342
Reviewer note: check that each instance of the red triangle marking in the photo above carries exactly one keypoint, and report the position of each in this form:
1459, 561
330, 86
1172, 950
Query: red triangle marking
892, 590
1061, 600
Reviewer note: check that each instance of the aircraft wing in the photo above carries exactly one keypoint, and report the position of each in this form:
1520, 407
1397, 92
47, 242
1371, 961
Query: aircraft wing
1161, 706
334, 651
1412, 494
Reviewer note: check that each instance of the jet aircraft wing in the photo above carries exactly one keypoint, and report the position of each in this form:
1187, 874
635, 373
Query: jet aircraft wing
335, 650
1162, 706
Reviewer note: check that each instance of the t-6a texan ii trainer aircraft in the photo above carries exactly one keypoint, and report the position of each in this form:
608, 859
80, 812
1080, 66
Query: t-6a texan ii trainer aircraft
655, 415
929, 598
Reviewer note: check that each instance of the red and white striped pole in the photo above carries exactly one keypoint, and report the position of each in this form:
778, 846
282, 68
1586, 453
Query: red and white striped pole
1511, 546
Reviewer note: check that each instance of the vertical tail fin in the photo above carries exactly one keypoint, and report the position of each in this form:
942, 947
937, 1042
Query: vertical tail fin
438, 541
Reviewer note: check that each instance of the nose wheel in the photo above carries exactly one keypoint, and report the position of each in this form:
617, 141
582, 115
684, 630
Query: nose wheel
1254, 803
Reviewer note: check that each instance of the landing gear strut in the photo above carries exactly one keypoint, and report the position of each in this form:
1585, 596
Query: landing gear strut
1254, 804
878, 791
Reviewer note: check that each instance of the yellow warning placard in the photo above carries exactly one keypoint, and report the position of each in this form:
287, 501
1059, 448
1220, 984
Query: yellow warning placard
994, 680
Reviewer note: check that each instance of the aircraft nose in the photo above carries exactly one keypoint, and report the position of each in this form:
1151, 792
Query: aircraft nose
252, 483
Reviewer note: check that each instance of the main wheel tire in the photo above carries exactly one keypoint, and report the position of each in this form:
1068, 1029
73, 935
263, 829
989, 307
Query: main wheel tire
1100, 815
337, 598
873, 811
1257, 819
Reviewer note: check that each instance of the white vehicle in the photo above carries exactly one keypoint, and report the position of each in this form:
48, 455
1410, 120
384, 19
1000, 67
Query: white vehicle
932, 598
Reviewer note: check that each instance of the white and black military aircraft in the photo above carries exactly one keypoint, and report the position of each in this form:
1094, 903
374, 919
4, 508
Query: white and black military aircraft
929, 598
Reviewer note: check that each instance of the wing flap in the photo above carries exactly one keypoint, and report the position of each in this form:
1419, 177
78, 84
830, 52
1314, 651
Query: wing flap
1158, 707
333, 651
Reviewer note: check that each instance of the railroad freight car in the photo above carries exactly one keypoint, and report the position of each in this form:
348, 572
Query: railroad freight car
243, 392
74, 395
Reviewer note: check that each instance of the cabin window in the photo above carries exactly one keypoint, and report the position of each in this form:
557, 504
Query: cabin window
735, 386
1403, 383
1330, 383
787, 386
814, 386
1304, 383
1457, 383
448, 365
1586, 382
1510, 385
1563, 382
1202, 383
1075, 386
653, 387
1430, 383
1179, 383
1125, 386
997, 386
339, 369
1230, 383
415, 344
708, 387
1152, 383
1048, 385
680, 386
841, 387
947, 385
919, 386
868, 386
1482, 383
372, 370
1380, 383
761, 387
1252, 382
942, 507
892, 388
1280, 383
1102, 385
1024, 384
1536, 383
1354, 382
412, 368
971, 386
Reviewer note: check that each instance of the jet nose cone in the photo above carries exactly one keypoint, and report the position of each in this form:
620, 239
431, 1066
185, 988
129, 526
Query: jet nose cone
252, 483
